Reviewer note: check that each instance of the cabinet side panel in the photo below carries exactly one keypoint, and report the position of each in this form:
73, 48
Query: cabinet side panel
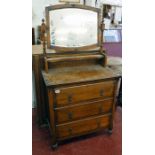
114, 104
52, 115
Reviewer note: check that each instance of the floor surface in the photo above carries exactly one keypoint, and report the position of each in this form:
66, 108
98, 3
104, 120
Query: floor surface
93, 144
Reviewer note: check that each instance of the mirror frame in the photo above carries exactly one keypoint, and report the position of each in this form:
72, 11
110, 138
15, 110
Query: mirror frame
79, 6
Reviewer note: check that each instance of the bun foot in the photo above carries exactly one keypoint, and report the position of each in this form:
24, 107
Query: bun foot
110, 131
54, 146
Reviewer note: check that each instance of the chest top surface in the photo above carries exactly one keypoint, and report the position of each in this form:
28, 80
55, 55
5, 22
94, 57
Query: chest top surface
77, 74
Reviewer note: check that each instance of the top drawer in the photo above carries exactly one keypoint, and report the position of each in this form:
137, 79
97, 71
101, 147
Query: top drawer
75, 94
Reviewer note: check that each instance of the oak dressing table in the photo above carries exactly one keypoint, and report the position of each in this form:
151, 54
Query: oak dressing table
79, 89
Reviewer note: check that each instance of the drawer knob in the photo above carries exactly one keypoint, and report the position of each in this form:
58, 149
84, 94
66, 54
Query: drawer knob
101, 92
69, 98
70, 115
70, 131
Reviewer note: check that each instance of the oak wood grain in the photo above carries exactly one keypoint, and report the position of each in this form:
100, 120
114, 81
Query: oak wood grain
81, 126
83, 110
76, 74
84, 92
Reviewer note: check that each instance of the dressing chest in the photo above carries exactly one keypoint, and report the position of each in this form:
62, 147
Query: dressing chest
79, 90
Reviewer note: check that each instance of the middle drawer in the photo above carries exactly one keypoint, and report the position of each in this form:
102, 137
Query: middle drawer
70, 113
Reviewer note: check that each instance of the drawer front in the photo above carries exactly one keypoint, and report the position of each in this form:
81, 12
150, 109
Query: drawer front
82, 127
83, 110
70, 95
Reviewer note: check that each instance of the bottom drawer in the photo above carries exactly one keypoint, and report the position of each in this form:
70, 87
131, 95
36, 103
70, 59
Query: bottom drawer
82, 126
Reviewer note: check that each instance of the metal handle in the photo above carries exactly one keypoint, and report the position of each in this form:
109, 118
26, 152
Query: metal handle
100, 109
69, 98
101, 92
70, 115
98, 123
70, 131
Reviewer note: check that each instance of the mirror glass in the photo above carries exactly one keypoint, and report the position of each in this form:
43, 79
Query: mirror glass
112, 16
73, 27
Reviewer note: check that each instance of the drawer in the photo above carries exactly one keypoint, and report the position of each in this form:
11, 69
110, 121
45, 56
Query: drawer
82, 110
83, 126
71, 95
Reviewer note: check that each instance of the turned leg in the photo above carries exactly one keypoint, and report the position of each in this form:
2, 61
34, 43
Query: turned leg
110, 126
54, 143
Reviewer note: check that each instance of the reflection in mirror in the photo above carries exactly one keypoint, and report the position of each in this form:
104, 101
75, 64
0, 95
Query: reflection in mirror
73, 27
112, 36
112, 16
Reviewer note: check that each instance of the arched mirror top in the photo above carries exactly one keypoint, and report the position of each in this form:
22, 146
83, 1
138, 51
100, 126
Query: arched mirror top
72, 27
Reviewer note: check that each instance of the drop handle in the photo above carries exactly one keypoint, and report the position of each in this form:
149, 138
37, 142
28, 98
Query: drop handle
101, 92
98, 123
70, 131
100, 109
70, 115
69, 98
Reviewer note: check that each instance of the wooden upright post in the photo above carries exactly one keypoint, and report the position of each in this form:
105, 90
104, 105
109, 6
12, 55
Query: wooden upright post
102, 26
43, 38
